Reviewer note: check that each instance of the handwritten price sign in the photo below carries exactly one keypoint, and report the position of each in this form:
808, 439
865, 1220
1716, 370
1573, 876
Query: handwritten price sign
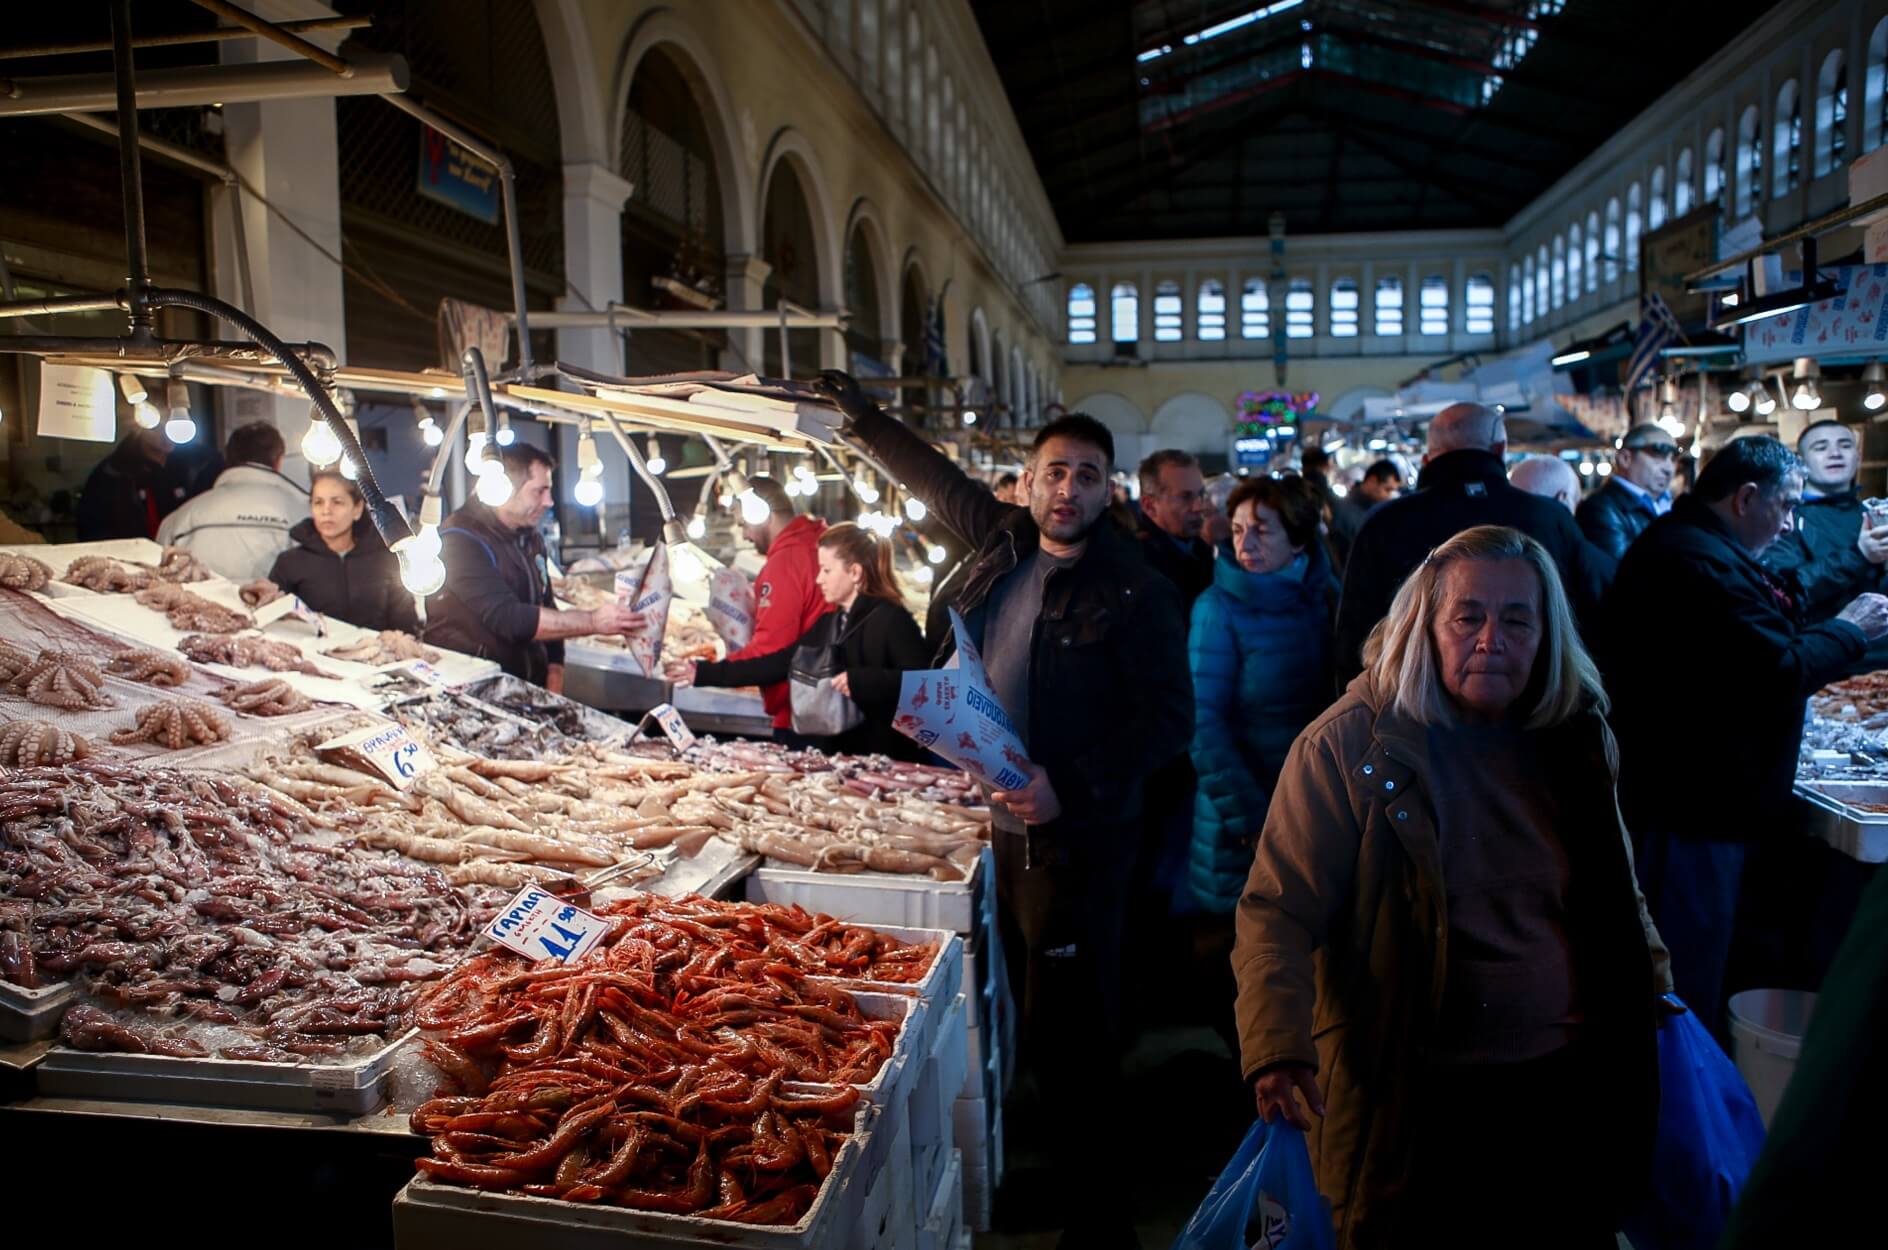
540, 926
390, 749
679, 734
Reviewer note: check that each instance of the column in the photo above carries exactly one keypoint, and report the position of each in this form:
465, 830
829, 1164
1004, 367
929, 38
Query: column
745, 283
287, 151
593, 263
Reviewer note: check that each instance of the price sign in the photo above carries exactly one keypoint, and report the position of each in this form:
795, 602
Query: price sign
426, 673
673, 725
275, 609
391, 750
539, 926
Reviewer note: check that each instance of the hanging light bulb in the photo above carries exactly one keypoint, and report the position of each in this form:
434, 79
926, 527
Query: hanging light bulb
1876, 397
427, 542
1586, 468
754, 509
421, 570
864, 489
914, 508
803, 471
348, 470
147, 416
589, 491
654, 460
495, 488
1766, 402
1739, 400
181, 427
433, 435
505, 437
686, 563
1806, 397
1668, 409
1603, 468
697, 527
936, 555
970, 416
320, 446
925, 576
475, 460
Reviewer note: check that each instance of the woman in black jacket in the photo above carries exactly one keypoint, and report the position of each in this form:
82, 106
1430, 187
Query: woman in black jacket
877, 638
339, 566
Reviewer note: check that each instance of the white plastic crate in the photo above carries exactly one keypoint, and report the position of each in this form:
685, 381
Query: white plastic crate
876, 898
942, 980
945, 1212
933, 1134
888, 1214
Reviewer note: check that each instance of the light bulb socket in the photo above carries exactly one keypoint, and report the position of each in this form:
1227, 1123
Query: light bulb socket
131, 386
674, 533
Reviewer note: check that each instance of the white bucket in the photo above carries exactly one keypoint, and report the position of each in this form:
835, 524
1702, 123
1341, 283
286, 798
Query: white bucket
1767, 1028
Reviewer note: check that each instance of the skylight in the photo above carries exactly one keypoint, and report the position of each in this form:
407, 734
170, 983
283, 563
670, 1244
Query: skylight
1234, 23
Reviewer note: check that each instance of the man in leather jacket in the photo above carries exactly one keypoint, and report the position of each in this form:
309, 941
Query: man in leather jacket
1637, 494
1086, 649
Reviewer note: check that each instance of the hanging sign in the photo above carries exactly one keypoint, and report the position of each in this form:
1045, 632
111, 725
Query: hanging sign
1853, 322
542, 926
452, 176
77, 401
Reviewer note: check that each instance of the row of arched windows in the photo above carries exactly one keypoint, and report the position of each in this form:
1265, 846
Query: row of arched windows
1389, 315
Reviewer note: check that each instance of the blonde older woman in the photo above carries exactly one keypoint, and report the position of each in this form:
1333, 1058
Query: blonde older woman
1441, 945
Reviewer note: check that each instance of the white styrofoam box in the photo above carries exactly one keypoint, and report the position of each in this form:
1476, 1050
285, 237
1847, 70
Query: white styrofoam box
941, 1082
970, 1121
876, 898
888, 1215
945, 1211
939, 985
891, 1084
428, 1214
1875, 242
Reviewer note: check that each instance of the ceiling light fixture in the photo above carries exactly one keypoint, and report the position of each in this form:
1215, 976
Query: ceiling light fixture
1876, 396
1806, 396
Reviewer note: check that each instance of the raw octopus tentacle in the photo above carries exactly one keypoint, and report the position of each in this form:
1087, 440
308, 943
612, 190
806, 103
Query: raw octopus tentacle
64, 680
30, 743
23, 572
270, 697
156, 668
175, 723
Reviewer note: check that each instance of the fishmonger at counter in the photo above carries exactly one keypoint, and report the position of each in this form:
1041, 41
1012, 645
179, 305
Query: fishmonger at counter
497, 602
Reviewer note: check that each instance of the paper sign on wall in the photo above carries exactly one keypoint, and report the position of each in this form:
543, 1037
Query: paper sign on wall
953, 712
77, 401
673, 725
393, 752
542, 926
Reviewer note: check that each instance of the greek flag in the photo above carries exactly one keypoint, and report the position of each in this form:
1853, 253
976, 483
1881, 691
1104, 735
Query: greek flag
1657, 331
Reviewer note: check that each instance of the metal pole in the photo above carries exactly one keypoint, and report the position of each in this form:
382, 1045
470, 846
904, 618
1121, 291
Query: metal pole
786, 354
219, 35
275, 34
241, 240
130, 170
191, 86
56, 304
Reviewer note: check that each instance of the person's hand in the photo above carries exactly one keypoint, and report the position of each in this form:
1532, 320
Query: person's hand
681, 673
1036, 803
1868, 613
614, 618
843, 389
843, 684
1873, 543
1277, 1091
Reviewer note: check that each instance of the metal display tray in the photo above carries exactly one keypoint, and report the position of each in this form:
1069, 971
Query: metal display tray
427, 1213
1836, 817
355, 1087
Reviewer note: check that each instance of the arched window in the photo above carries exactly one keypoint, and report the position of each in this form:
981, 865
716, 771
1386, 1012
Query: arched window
1515, 287
1593, 251
1210, 311
1344, 305
1543, 277
1255, 310
1749, 161
1169, 313
1875, 89
893, 54
1714, 167
1634, 224
1611, 246
1081, 313
1124, 312
1681, 184
1389, 309
914, 78
1655, 206
1301, 309
868, 38
1573, 263
1832, 113
1432, 305
933, 102
1560, 271
1787, 141
1479, 298
1527, 291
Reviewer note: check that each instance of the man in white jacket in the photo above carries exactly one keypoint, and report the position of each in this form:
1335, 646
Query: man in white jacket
241, 524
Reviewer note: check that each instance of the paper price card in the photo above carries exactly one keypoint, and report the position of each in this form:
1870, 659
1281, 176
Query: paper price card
391, 750
539, 926
673, 725
426, 673
953, 712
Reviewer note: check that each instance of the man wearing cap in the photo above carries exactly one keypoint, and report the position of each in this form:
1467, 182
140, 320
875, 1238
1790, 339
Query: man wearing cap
1637, 494
1834, 553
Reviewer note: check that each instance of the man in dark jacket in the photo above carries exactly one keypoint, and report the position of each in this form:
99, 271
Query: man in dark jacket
497, 600
1635, 495
1833, 554
1698, 788
1173, 508
1463, 484
131, 491
1380, 483
1086, 649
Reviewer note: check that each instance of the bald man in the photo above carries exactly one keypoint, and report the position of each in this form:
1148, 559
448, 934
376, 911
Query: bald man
1550, 477
1463, 484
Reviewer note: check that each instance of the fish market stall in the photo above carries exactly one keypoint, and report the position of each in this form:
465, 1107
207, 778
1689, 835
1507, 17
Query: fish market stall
1842, 776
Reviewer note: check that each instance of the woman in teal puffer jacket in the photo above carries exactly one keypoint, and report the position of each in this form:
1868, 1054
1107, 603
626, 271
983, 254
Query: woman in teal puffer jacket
1260, 653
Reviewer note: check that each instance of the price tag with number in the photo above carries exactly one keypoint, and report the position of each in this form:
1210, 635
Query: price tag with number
426, 673
673, 725
391, 750
542, 926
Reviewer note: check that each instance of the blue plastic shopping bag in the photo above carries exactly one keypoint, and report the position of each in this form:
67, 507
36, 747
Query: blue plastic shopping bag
1709, 1135
1266, 1199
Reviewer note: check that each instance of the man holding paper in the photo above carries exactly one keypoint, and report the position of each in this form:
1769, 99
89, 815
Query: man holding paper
1083, 646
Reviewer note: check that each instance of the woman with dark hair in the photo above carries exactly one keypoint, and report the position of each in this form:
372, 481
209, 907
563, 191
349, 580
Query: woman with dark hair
875, 637
338, 564
1260, 651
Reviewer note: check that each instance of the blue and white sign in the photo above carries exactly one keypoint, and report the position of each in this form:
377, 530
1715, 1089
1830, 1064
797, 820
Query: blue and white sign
1251, 453
449, 174
542, 926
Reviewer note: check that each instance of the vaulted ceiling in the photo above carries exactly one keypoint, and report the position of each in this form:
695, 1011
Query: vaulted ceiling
1195, 118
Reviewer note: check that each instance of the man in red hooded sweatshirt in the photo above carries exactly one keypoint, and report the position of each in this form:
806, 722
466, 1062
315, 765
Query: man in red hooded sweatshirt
786, 598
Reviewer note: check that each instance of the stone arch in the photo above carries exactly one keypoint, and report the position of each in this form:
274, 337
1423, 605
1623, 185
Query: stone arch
666, 29
914, 303
977, 361
584, 124
793, 148
886, 276
1193, 421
